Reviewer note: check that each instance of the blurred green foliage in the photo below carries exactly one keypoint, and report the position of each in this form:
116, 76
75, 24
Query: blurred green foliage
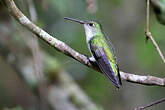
15, 108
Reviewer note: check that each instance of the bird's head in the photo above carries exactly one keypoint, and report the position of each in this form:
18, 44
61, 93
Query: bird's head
92, 28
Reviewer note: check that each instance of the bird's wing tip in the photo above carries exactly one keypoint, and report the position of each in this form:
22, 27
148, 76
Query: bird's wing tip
117, 86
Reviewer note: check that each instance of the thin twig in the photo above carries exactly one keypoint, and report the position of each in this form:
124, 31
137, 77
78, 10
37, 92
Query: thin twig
151, 104
65, 49
149, 36
148, 16
148, 33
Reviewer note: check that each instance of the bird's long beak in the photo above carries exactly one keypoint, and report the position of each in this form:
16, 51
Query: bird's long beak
75, 20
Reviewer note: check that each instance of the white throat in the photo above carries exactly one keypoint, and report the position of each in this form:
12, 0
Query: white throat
89, 33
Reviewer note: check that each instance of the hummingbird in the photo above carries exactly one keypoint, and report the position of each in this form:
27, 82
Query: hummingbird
101, 50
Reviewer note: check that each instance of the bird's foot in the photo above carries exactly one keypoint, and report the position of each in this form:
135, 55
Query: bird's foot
90, 59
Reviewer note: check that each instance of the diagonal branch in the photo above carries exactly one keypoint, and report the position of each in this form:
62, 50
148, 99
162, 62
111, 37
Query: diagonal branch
65, 49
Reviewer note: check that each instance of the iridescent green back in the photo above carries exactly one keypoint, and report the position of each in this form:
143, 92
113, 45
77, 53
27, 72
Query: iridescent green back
100, 41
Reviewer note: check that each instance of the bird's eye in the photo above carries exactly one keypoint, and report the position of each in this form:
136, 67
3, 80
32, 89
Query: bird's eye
91, 24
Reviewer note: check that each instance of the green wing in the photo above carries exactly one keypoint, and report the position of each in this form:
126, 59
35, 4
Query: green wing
105, 59
103, 63
111, 47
